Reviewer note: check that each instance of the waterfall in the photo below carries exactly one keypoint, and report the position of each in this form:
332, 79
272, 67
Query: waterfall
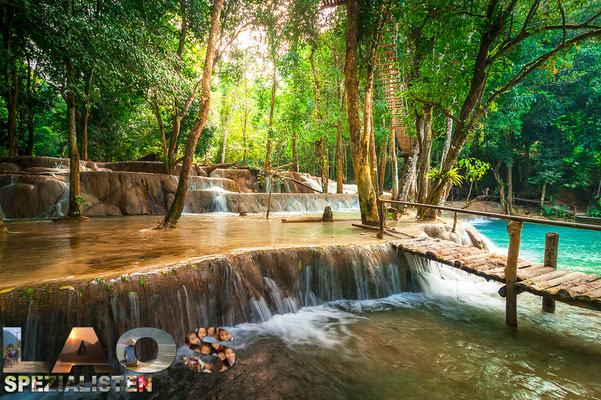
219, 203
251, 285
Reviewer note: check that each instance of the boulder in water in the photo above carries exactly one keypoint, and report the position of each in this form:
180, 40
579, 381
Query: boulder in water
464, 234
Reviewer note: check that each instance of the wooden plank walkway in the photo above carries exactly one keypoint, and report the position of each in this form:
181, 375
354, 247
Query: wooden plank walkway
574, 288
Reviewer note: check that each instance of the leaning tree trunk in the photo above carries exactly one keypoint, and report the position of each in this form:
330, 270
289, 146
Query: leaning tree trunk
157, 114
177, 207
359, 142
172, 152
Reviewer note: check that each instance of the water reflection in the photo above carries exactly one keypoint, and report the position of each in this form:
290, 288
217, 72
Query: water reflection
103, 246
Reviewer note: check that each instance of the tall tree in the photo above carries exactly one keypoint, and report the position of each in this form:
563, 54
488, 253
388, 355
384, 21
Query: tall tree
503, 27
361, 151
177, 207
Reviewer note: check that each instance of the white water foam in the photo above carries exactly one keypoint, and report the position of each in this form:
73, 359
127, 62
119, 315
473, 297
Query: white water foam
454, 294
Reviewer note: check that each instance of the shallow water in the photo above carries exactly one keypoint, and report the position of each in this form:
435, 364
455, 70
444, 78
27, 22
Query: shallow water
579, 249
45, 250
450, 341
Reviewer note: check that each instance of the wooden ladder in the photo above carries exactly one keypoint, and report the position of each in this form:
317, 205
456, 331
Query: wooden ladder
390, 77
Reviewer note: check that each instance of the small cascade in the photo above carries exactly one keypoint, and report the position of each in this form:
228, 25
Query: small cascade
219, 200
219, 203
204, 182
249, 286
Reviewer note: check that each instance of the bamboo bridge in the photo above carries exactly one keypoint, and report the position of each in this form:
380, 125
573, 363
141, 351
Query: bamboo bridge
518, 275
575, 288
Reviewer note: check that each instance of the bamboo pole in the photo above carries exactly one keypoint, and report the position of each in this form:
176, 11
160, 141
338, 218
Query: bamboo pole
514, 228
551, 246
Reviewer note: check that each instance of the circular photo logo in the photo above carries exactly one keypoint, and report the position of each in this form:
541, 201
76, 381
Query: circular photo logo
207, 350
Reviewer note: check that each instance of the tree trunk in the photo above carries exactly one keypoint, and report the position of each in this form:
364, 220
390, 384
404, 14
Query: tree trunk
30, 113
501, 185
267, 163
394, 161
74, 192
157, 113
408, 177
85, 117
526, 182
325, 167
322, 161
469, 193
294, 152
12, 103
227, 125
30, 134
177, 207
384, 155
359, 142
172, 152
84, 132
510, 187
369, 131
244, 137
424, 130
447, 140
542, 195
339, 156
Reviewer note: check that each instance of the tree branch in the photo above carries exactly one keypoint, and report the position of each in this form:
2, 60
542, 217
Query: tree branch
533, 65
525, 34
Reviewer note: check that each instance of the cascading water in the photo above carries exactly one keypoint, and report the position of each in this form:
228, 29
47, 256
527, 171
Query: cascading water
219, 203
331, 322
225, 290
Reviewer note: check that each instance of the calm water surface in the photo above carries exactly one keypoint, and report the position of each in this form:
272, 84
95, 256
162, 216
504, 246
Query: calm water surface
579, 249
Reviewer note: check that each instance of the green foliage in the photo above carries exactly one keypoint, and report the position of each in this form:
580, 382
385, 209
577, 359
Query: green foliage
474, 168
555, 211
452, 176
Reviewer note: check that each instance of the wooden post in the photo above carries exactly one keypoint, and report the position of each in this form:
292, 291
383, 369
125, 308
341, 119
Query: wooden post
381, 218
454, 223
551, 246
514, 228
269, 196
